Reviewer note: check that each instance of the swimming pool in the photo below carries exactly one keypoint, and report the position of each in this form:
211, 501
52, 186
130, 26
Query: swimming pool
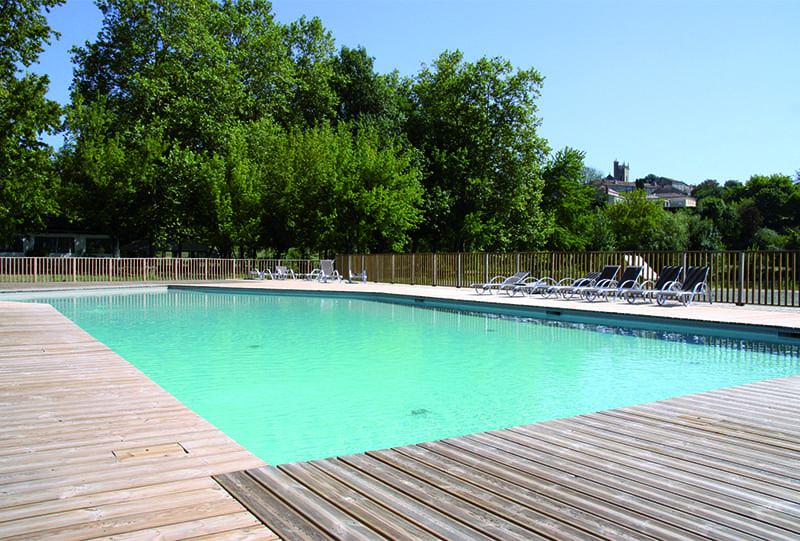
303, 377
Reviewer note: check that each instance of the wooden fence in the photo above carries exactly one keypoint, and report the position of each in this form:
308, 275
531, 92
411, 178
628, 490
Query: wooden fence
77, 269
762, 278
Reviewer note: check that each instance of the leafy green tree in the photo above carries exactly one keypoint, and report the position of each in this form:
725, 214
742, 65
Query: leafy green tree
602, 237
671, 233
330, 189
708, 188
475, 124
189, 87
724, 218
27, 178
750, 221
734, 191
566, 201
365, 97
635, 221
703, 234
772, 195
312, 98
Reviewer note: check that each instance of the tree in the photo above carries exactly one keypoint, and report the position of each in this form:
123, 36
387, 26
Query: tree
771, 195
592, 175
635, 221
186, 86
724, 218
364, 96
331, 189
475, 124
703, 234
566, 201
707, 188
27, 179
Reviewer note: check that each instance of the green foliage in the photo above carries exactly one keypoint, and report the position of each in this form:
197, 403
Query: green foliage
475, 123
708, 188
27, 180
209, 121
364, 96
704, 235
635, 222
334, 190
566, 201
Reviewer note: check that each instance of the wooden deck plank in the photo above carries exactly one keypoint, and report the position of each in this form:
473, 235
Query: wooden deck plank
91, 448
520, 489
79, 425
381, 519
668, 487
645, 472
501, 506
423, 516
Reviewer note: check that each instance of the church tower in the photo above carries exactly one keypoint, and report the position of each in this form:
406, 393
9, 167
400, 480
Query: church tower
621, 171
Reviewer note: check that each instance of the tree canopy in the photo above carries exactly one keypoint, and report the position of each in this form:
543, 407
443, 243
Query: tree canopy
475, 123
27, 177
209, 121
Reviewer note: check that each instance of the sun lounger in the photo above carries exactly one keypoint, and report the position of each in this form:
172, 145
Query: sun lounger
603, 279
356, 276
256, 274
500, 283
324, 272
628, 281
693, 286
282, 272
531, 286
567, 283
667, 279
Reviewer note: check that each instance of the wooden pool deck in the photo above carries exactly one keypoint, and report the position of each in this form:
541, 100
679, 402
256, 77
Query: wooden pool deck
91, 448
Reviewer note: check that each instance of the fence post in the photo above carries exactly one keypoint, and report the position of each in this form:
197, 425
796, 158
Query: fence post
392, 279
413, 268
74, 277
486, 267
458, 278
740, 301
684, 257
434, 269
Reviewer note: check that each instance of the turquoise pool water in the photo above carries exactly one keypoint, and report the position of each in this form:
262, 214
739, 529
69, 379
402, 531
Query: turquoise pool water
299, 378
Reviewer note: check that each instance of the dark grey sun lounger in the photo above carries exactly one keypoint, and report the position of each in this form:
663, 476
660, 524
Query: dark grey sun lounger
613, 289
500, 283
603, 279
668, 278
693, 286
531, 286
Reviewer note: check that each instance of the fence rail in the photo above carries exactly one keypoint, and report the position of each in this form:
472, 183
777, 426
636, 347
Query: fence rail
77, 269
761, 278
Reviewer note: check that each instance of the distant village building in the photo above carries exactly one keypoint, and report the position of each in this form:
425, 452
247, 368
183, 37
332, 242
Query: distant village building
671, 193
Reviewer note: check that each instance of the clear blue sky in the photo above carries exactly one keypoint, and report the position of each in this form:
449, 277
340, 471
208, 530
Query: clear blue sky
687, 89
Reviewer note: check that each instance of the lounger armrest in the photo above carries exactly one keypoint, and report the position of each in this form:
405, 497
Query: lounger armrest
605, 283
